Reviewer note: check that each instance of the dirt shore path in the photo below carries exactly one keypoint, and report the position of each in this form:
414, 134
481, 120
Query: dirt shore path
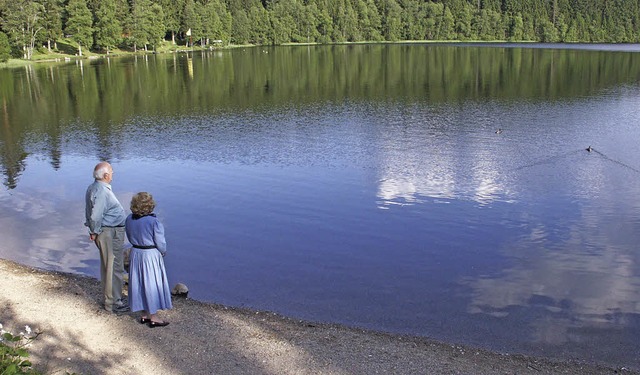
77, 336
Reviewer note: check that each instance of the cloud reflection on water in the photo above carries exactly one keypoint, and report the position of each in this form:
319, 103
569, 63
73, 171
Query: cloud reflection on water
570, 263
576, 290
439, 180
42, 224
579, 271
48, 231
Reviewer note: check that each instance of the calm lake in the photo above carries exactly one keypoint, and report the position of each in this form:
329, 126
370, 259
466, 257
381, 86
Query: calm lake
367, 185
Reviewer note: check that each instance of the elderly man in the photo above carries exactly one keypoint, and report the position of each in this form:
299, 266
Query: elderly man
105, 219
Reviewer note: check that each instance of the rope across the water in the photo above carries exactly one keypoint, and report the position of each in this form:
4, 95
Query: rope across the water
590, 149
548, 160
553, 159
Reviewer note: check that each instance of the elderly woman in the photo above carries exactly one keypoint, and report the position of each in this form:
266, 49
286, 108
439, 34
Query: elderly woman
148, 284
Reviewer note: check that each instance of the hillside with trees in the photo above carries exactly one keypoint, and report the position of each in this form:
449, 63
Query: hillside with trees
104, 25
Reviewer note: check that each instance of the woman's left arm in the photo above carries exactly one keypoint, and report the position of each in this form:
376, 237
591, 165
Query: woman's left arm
158, 237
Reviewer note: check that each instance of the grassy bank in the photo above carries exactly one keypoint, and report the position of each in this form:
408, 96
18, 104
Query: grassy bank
66, 50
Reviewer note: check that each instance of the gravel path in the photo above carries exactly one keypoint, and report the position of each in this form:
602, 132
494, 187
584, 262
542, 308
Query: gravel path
77, 336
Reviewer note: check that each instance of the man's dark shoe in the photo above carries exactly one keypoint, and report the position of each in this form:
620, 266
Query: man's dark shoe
121, 309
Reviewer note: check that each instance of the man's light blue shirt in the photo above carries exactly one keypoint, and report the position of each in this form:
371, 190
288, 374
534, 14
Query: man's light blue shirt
102, 208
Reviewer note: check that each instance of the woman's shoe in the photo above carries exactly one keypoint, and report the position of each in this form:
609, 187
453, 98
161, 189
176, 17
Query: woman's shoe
153, 324
144, 320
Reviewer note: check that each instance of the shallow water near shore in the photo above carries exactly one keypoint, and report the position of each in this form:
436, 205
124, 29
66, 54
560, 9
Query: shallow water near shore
387, 200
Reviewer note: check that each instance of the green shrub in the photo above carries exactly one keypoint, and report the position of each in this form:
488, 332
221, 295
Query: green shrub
13, 352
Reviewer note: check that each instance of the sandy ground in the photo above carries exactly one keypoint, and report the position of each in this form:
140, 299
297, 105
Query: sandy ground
77, 336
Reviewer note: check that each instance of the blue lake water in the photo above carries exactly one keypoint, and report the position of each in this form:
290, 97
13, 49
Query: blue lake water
396, 214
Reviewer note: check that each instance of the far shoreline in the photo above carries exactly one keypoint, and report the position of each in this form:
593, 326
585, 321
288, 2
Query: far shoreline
169, 48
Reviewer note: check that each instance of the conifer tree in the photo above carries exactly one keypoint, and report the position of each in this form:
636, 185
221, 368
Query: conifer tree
191, 20
221, 31
157, 29
141, 24
79, 23
283, 22
447, 31
240, 27
5, 47
172, 11
52, 21
259, 25
108, 29
210, 23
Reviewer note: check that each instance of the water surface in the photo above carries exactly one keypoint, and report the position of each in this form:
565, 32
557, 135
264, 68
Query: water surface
363, 185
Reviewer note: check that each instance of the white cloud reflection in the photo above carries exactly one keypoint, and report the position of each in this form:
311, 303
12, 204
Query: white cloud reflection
45, 229
412, 178
582, 272
584, 276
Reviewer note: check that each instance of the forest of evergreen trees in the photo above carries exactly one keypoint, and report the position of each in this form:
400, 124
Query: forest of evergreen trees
102, 25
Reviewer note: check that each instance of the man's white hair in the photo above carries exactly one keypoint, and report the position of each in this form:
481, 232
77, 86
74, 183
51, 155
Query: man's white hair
99, 173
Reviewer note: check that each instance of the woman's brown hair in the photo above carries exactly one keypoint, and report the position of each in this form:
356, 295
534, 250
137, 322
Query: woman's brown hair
142, 204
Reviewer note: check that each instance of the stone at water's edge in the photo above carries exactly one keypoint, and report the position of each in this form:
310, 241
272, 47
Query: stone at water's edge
180, 290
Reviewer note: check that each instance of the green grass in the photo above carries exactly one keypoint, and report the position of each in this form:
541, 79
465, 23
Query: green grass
67, 48
12, 63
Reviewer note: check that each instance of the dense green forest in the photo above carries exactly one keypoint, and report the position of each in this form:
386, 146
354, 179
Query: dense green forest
102, 25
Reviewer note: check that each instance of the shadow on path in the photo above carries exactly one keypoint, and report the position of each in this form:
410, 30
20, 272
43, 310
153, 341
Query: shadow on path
79, 337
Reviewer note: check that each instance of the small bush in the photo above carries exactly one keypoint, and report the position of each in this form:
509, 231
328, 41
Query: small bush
13, 352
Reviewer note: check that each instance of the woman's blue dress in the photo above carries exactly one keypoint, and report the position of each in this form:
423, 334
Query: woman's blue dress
148, 284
